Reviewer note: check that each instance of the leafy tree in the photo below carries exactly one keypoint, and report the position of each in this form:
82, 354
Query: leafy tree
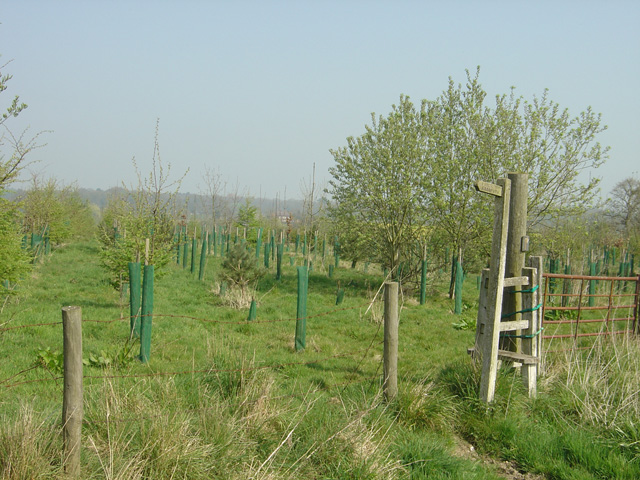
14, 260
625, 204
415, 169
625, 211
378, 187
14, 150
59, 208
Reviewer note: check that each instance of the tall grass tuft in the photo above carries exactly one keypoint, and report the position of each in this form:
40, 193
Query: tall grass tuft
30, 445
600, 387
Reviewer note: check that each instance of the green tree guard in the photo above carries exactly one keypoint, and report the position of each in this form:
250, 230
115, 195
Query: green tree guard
47, 245
279, 261
258, 243
223, 239
209, 243
458, 287
592, 284
478, 282
194, 252
339, 296
134, 299
297, 241
223, 289
272, 248
291, 261
452, 280
331, 271
228, 243
337, 254
252, 311
203, 258
324, 248
185, 253
301, 314
423, 283
147, 312
178, 248
304, 245
266, 254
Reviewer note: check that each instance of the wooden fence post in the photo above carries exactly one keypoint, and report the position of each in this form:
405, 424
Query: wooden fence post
72, 409
515, 256
390, 362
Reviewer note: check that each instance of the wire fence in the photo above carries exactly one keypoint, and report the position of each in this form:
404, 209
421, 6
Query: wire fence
4, 384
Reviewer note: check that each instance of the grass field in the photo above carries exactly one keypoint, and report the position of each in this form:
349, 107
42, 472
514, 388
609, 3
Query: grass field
225, 398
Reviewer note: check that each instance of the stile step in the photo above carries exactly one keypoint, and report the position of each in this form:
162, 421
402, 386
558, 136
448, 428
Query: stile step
511, 356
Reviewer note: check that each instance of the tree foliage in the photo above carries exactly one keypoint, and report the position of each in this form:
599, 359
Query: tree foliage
412, 173
57, 208
377, 186
14, 150
624, 209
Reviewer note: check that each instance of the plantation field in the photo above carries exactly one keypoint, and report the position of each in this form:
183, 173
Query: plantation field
225, 398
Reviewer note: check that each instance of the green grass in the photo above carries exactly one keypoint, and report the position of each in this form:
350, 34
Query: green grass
241, 403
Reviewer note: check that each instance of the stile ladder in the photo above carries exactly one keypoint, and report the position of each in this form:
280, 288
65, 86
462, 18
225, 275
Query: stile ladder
491, 322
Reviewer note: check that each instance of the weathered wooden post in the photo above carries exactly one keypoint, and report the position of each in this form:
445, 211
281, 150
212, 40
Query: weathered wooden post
390, 360
72, 408
531, 344
517, 245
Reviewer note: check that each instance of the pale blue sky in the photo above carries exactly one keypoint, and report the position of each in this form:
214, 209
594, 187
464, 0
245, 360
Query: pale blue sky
263, 89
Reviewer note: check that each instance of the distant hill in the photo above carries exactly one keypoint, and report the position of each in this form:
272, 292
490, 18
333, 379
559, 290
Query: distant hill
192, 204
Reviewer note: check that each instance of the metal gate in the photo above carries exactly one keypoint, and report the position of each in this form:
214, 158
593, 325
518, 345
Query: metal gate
578, 307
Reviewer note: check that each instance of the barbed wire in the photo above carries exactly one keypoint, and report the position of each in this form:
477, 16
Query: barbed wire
189, 317
30, 325
185, 372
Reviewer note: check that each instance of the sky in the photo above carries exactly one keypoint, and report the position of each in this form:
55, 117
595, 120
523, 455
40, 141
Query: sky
260, 91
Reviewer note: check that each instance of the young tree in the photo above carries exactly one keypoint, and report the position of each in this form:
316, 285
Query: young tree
142, 213
377, 187
13, 159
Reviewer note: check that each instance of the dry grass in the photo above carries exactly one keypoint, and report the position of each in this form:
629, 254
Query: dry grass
30, 446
